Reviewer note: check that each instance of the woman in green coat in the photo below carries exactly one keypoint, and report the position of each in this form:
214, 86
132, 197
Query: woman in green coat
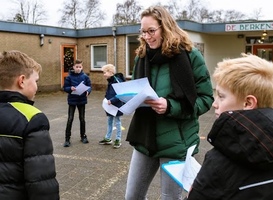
169, 126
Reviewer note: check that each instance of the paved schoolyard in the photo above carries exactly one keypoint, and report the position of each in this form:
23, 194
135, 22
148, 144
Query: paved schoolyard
92, 171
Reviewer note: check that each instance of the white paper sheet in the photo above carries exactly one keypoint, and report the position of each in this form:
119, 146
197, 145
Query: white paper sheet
134, 93
191, 169
81, 88
133, 86
111, 109
183, 172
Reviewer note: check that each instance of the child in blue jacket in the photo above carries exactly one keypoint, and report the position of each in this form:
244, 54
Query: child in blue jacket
109, 72
75, 77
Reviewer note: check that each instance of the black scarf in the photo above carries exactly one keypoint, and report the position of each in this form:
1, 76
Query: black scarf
142, 128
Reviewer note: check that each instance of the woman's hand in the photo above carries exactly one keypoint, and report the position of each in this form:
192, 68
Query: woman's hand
159, 105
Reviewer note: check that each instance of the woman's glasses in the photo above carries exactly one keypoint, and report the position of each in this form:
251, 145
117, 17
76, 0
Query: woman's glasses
150, 31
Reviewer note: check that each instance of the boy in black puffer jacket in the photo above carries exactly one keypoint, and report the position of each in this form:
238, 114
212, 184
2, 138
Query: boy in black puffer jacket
76, 77
240, 166
27, 165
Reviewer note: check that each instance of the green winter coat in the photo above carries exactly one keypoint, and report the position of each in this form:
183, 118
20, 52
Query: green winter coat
177, 131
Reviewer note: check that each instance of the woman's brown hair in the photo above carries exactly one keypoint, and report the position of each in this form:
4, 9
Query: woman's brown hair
172, 35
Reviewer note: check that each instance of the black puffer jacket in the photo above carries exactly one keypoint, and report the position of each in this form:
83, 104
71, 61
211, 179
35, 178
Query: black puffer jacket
74, 79
240, 166
27, 167
110, 92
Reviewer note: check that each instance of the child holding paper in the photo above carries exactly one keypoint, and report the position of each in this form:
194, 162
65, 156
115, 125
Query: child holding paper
240, 166
76, 77
109, 72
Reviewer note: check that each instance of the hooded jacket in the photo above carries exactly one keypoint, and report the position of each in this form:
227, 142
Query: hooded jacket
111, 94
240, 166
74, 79
27, 166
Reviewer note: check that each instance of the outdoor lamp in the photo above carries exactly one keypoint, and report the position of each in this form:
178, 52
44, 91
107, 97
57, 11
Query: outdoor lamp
42, 39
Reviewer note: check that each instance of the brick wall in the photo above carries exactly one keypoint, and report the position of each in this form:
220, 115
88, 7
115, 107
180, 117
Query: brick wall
49, 55
84, 53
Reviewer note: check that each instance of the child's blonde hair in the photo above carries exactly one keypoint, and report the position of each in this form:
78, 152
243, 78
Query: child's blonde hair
15, 63
247, 75
109, 68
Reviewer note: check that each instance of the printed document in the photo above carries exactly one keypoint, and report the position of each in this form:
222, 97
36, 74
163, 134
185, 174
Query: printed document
81, 88
111, 109
183, 172
133, 93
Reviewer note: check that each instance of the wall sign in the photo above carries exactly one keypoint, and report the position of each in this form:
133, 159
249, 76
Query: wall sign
249, 27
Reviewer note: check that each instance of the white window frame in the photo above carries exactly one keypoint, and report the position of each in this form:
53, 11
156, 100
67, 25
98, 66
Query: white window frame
96, 65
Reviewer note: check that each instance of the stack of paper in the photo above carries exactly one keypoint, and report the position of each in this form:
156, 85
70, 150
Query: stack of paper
183, 172
133, 94
81, 88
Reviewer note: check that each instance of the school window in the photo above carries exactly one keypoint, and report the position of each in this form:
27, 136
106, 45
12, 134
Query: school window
98, 56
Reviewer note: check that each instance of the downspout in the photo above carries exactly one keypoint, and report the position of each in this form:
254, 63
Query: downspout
114, 30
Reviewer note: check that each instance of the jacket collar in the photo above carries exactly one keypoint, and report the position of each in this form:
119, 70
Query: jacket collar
11, 96
245, 136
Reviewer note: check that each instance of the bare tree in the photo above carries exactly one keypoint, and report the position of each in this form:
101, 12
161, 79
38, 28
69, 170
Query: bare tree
93, 15
233, 15
257, 14
81, 14
176, 10
70, 12
226, 16
29, 11
38, 14
217, 16
204, 15
127, 13
195, 10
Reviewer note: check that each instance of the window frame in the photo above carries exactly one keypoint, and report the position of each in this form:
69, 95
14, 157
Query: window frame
93, 66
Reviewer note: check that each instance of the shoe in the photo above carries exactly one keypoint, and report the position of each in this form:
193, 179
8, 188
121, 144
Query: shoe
84, 140
117, 144
105, 141
67, 143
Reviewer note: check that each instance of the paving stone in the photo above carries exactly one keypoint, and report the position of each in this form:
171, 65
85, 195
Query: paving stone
92, 171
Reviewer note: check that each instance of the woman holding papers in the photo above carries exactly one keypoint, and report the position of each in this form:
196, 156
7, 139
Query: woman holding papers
76, 80
164, 130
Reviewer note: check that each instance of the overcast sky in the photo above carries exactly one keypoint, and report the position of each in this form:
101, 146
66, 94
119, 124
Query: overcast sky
109, 7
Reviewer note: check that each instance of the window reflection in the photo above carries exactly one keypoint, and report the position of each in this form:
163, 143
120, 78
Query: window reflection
265, 53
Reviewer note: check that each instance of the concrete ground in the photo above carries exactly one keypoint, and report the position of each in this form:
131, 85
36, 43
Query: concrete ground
92, 171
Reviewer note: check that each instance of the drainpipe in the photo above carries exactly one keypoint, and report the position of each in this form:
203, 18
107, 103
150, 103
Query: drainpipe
114, 30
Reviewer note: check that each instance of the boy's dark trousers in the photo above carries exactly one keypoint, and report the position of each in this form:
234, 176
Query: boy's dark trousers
71, 111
